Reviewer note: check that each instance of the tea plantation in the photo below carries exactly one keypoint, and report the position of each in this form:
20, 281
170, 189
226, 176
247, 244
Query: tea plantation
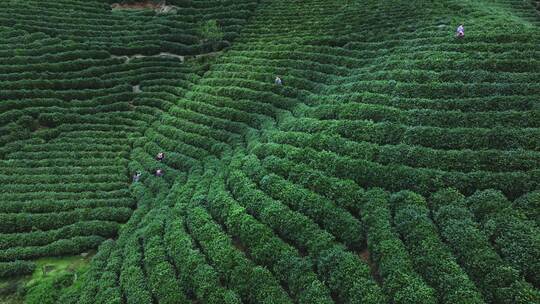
394, 163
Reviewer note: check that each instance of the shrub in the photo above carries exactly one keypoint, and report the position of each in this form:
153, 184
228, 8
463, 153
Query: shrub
16, 268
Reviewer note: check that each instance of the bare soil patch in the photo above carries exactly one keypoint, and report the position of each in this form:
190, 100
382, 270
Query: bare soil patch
365, 256
238, 245
137, 5
162, 54
158, 7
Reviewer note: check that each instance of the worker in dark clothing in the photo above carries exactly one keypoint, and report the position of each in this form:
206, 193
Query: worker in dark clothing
160, 156
137, 177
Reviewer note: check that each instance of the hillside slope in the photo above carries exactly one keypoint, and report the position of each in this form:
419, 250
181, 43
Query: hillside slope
396, 163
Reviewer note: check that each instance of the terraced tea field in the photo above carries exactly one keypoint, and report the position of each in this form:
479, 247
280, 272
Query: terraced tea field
395, 163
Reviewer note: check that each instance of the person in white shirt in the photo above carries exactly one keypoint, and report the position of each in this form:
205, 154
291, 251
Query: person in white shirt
160, 156
137, 177
460, 32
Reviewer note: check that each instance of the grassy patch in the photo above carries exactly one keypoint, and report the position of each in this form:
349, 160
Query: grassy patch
52, 266
49, 271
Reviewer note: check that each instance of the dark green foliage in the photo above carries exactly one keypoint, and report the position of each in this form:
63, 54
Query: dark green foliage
194, 274
37, 238
414, 156
395, 177
23, 222
529, 204
515, 238
338, 222
210, 31
432, 137
344, 272
94, 274
160, 273
253, 283
49, 290
60, 247
499, 282
431, 257
400, 281
132, 277
16, 268
265, 248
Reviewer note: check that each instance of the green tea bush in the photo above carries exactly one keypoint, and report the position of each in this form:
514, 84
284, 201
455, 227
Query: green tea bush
516, 239
499, 282
431, 257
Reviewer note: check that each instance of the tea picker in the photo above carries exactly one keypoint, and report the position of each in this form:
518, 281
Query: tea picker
160, 156
460, 32
137, 177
